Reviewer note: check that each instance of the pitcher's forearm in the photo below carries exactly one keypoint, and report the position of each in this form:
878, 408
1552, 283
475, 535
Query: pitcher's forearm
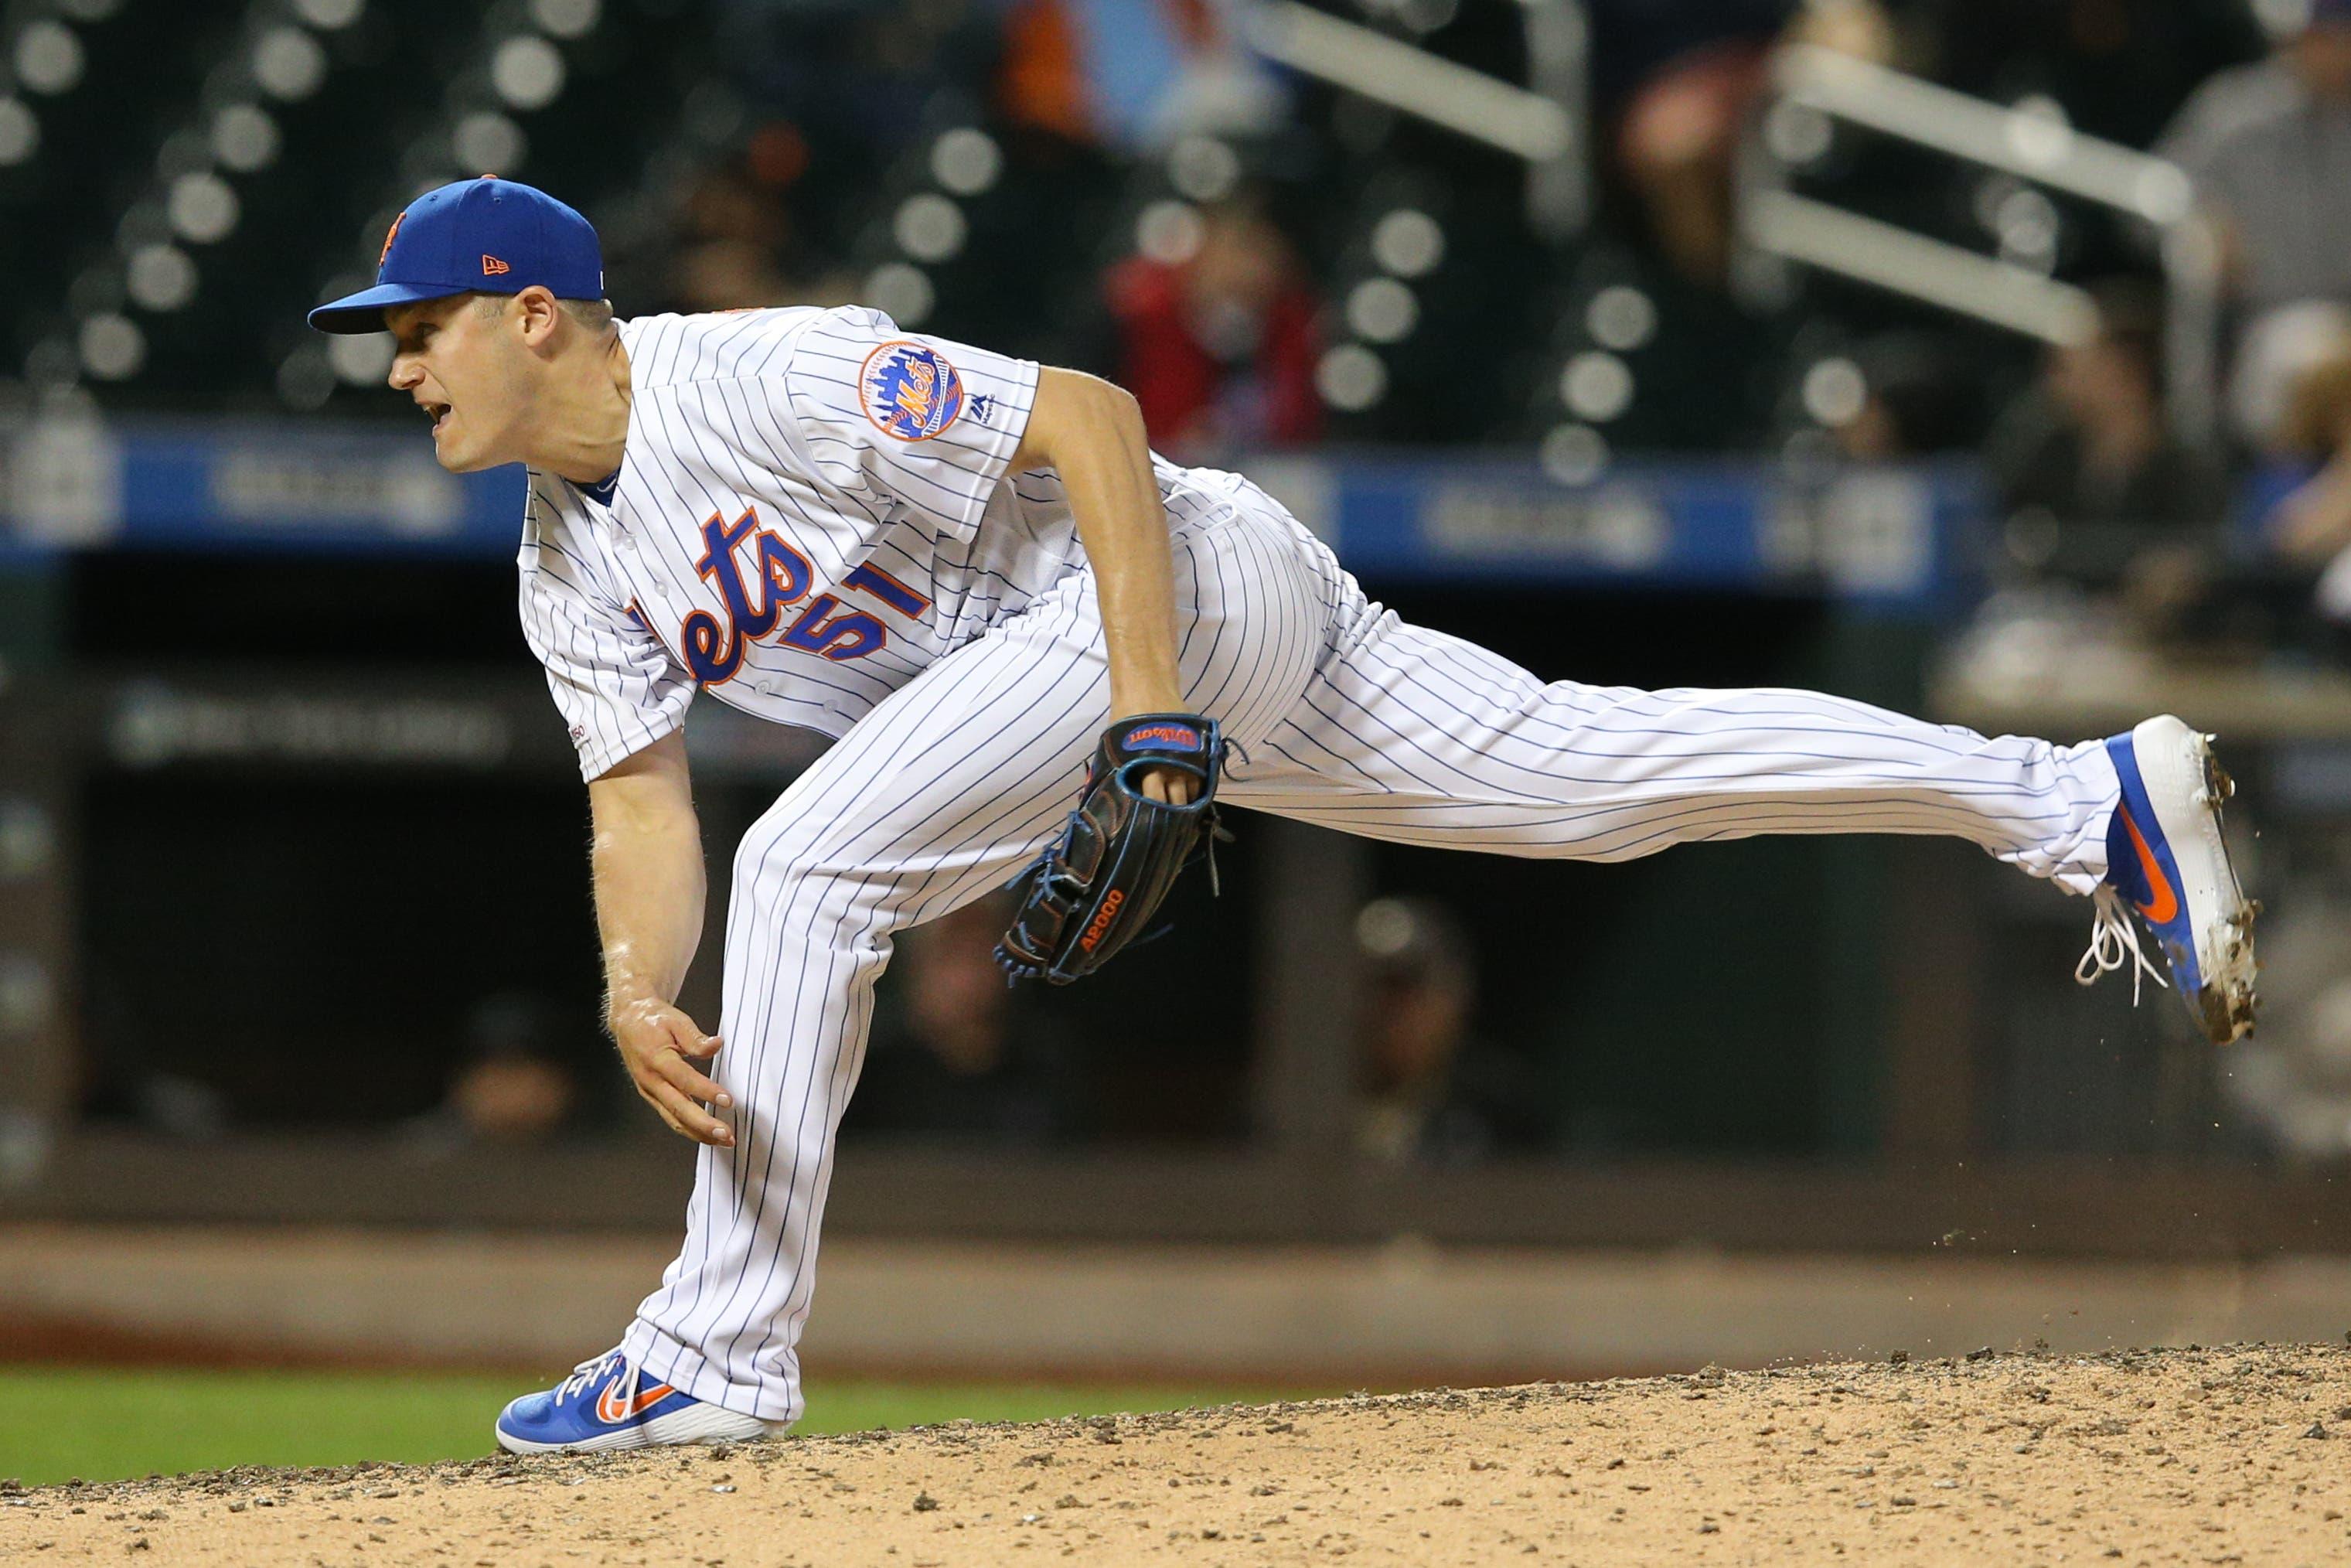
650, 883
1123, 526
650, 892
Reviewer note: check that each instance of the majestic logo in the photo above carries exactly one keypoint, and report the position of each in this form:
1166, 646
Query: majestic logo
611, 1409
492, 267
390, 234
781, 576
1176, 734
909, 390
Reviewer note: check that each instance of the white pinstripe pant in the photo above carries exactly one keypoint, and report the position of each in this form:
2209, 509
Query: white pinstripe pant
1350, 717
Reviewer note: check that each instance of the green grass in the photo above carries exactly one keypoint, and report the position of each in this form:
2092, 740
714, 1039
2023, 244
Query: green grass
107, 1425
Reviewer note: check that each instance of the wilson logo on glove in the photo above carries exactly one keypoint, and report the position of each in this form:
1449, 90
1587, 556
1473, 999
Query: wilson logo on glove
1089, 894
1102, 922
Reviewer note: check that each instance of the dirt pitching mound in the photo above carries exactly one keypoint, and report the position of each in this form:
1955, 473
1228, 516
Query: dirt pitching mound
2238, 1455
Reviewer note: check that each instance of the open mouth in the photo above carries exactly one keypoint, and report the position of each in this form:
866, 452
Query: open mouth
437, 412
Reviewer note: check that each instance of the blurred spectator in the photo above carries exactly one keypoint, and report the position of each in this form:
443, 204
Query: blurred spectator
729, 275
2091, 485
1677, 80
2269, 146
511, 1087
963, 1058
1220, 346
1133, 76
733, 234
732, 231
863, 78
1428, 1090
2119, 68
2311, 528
2277, 351
1916, 399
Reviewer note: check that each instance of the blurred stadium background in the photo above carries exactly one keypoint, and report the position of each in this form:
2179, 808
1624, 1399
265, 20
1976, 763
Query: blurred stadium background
1986, 358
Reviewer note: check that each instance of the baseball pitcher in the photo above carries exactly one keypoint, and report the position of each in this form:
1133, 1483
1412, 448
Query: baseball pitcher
1037, 645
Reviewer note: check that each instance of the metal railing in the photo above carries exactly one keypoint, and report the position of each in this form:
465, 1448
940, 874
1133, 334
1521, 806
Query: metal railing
2029, 145
1543, 124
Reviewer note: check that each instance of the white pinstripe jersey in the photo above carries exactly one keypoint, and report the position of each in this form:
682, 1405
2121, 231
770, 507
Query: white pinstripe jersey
813, 507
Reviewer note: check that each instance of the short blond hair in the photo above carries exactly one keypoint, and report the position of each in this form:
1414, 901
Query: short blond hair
595, 315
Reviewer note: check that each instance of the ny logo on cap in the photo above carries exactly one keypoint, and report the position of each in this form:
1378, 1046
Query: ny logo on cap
390, 234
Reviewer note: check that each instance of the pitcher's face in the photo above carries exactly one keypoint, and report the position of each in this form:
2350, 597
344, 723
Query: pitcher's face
464, 360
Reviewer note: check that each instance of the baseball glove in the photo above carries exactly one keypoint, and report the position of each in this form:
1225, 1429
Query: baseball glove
1093, 891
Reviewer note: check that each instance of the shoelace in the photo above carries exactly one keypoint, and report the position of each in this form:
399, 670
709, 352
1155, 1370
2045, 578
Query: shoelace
2114, 942
590, 1372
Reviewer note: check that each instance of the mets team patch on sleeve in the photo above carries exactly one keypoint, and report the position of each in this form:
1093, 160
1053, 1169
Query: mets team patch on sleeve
910, 391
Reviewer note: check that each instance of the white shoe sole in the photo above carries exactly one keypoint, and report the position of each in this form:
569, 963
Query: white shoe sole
697, 1423
2186, 786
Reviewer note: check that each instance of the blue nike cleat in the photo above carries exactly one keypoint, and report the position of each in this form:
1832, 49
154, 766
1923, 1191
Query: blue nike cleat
601, 1406
2166, 857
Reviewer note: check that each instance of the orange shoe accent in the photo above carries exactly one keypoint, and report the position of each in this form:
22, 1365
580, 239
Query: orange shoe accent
492, 267
614, 1411
2164, 905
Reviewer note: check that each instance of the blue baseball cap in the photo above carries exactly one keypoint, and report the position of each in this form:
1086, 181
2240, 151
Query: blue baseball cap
475, 236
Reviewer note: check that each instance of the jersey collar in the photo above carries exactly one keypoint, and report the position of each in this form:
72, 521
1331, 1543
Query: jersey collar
602, 490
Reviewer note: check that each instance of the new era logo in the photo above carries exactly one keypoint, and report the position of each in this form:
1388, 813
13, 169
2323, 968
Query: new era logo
492, 267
